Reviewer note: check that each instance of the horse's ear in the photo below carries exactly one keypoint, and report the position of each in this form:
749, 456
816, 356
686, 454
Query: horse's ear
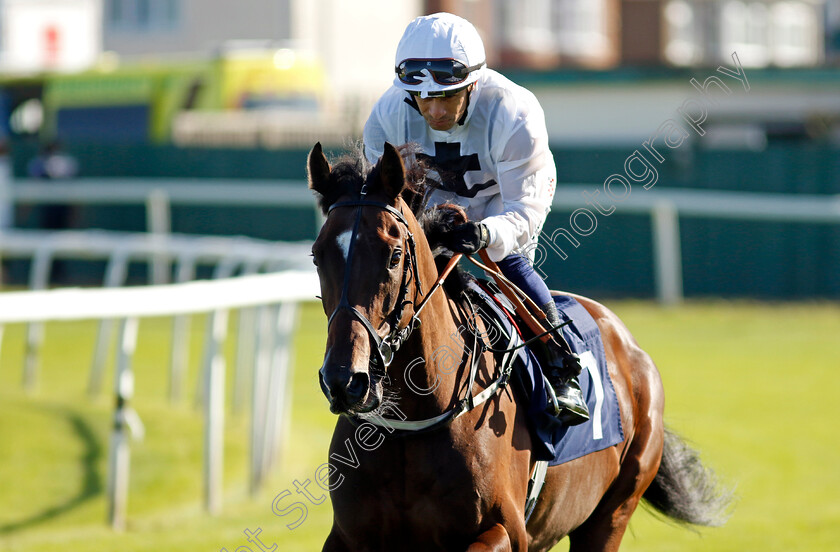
318, 175
391, 172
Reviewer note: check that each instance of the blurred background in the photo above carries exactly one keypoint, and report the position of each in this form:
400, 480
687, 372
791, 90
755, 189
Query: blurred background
210, 89
165, 141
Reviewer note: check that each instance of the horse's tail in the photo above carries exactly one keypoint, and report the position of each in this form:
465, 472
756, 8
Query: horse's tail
685, 490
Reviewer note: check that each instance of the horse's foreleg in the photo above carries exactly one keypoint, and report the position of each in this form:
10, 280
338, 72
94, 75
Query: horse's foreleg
495, 539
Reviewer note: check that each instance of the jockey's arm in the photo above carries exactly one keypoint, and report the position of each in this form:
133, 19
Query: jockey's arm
527, 177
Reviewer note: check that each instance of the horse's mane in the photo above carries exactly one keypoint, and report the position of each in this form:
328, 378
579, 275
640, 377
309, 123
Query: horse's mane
436, 221
352, 169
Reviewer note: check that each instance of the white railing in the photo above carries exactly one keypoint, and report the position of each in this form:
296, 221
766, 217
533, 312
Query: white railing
157, 250
158, 195
228, 255
272, 324
275, 295
167, 300
664, 206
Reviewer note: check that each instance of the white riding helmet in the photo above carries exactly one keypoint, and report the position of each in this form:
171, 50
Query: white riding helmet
438, 53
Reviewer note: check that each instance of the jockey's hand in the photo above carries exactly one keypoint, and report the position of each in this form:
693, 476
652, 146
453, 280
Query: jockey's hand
467, 238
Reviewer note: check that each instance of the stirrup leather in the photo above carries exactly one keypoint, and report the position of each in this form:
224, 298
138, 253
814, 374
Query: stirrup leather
569, 406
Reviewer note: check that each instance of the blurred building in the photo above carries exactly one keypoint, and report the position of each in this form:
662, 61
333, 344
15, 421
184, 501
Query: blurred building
146, 28
780, 33
49, 35
548, 34
543, 34
588, 61
206, 72
832, 31
38, 35
357, 59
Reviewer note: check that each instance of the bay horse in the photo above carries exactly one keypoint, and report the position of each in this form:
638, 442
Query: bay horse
461, 482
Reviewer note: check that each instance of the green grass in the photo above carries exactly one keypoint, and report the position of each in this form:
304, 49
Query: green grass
752, 386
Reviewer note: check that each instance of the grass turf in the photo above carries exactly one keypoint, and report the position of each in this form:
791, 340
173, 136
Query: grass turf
752, 386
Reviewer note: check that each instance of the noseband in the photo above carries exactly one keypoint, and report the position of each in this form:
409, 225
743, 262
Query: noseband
386, 347
390, 344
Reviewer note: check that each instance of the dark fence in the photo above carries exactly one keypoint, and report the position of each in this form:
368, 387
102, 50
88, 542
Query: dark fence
720, 258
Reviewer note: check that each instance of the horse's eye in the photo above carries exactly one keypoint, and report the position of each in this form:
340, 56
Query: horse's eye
395, 258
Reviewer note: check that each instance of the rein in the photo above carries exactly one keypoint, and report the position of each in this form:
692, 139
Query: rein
390, 344
386, 347
463, 405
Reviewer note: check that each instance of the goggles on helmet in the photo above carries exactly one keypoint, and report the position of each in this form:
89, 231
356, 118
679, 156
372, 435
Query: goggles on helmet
436, 93
445, 72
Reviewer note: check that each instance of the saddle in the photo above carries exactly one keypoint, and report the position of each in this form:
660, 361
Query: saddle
553, 442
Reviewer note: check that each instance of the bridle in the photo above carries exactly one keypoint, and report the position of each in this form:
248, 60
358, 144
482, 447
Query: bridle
387, 346
390, 344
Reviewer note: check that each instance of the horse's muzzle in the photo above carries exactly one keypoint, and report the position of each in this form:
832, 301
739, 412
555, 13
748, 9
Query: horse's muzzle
345, 390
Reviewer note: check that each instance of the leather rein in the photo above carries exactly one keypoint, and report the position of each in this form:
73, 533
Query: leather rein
387, 346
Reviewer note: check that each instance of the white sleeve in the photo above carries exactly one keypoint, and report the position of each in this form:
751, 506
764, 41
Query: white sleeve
526, 176
374, 136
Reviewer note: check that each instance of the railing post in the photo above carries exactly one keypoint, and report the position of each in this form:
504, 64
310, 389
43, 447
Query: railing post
39, 278
124, 417
214, 411
280, 398
181, 323
667, 254
265, 330
226, 269
115, 275
159, 225
245, 344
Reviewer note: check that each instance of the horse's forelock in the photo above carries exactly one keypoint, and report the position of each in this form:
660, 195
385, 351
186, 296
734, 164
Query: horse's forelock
346, 177
351, 171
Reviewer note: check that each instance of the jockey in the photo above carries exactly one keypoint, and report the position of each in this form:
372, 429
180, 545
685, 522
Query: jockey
486, 142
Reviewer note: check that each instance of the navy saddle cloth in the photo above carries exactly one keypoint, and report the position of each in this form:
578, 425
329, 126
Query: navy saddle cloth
553, 442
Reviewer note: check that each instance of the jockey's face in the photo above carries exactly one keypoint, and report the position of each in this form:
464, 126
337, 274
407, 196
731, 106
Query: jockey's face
443, 113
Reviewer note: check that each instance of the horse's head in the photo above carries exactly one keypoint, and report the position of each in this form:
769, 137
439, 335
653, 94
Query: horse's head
367, 265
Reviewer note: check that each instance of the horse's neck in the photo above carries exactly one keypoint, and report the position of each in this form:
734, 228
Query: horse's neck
425, 380
433, 362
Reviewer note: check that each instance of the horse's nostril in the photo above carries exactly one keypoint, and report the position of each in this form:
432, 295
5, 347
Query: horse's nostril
343, 389
357, 387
